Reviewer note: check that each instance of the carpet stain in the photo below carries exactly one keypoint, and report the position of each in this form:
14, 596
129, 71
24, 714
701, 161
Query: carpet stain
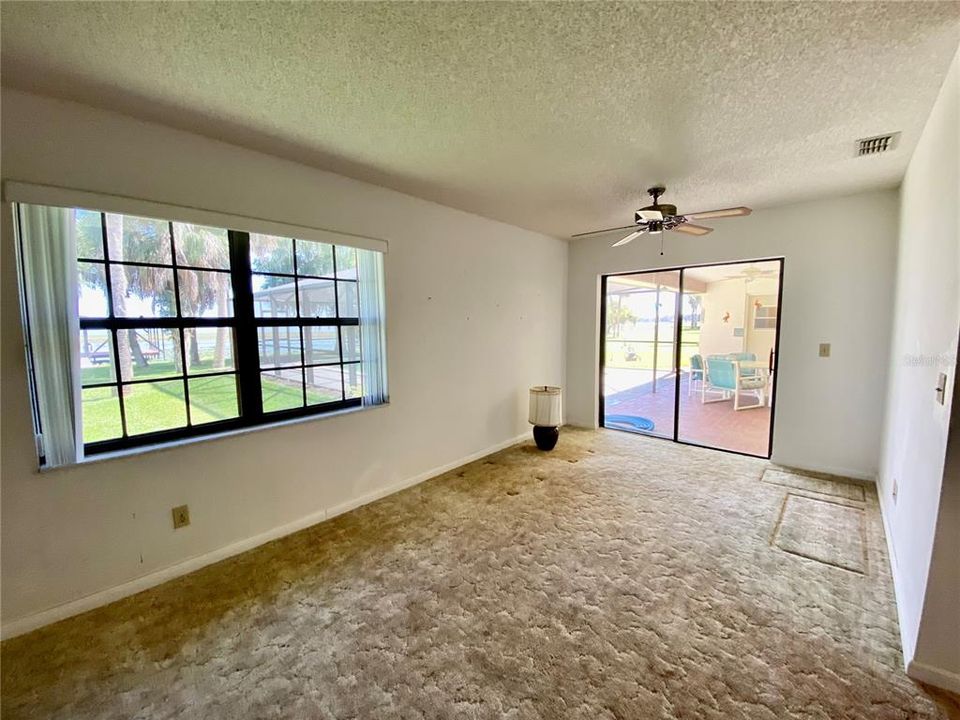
615, 577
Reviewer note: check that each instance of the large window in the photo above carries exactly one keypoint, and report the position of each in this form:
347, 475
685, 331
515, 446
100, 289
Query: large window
306, 305
181, 329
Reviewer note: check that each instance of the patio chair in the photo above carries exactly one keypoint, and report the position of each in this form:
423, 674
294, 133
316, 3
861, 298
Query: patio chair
741, 357
723, 376
696, 372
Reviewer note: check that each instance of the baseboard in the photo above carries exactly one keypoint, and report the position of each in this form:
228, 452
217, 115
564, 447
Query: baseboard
906, 644
157, 577
934, 676
422, 477
100, 598
917, 670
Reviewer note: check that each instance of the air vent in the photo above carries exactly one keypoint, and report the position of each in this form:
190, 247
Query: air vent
878, 144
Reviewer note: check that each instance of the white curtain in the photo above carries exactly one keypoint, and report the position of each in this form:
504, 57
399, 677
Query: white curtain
373, 335
48, 244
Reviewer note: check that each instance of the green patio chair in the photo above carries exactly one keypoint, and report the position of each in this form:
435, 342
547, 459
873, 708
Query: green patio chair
745, 356
696, 372
723, 376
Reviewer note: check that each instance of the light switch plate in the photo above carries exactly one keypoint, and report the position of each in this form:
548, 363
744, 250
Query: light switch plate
824, 349
941, 387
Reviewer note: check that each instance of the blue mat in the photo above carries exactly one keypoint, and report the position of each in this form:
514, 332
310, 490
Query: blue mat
630, 421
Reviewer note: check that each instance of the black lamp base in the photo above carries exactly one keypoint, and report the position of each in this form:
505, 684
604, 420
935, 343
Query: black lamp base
546, 437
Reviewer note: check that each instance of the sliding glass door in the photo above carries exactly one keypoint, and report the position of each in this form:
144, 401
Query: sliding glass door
689, 354
639, 373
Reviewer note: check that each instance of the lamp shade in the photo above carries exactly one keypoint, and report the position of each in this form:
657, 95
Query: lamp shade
545, 406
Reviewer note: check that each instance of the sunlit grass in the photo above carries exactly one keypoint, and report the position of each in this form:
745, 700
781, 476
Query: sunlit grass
637, 352
155, 406
154, 369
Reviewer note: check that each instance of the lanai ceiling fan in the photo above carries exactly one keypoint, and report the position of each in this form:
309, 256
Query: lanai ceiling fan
659, 216
751, 273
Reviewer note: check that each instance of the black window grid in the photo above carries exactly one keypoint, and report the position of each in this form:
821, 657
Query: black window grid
297, 320
244, 326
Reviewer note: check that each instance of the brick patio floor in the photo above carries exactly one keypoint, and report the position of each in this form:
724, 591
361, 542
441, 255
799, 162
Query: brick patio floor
712, 424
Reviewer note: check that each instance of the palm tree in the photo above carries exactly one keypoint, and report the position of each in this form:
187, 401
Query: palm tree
118, 285
200, 246
618, 316
147, 241
695, 302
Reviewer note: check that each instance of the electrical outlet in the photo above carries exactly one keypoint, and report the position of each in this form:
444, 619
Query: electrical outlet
824, 349
181, 516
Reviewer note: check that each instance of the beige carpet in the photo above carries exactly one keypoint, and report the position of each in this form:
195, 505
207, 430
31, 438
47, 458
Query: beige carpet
817, 484
617, 577
824, 530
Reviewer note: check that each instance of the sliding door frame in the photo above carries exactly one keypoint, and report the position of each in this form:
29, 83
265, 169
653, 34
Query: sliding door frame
677, 336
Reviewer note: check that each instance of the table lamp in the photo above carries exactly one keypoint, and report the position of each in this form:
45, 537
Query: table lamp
545, 415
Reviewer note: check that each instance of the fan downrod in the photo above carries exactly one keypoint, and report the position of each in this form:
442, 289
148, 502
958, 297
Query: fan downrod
666, 209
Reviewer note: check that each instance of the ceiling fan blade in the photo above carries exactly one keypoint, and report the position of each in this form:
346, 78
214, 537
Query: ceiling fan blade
600, 232
690, 229
629, 238
726, 212
648, 215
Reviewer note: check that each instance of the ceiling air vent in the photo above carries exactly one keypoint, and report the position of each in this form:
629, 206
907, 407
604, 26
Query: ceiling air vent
877, 144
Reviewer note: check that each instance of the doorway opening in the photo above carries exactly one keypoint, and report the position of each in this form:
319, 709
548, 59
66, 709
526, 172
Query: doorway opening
689, 353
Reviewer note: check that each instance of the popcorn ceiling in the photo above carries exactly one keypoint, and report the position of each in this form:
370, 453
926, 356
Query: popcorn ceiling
553, 117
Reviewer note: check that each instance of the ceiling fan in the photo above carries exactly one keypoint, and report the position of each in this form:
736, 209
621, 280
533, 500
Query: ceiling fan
751, 273
659, 217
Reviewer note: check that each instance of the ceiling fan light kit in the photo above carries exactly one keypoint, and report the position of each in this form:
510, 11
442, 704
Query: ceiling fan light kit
656, 218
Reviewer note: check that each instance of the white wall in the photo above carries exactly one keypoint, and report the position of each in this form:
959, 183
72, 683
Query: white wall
838, 273
475, 311
734, 296
923, 520
722, 297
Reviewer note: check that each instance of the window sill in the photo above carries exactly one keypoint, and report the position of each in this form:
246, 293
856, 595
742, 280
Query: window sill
143, 449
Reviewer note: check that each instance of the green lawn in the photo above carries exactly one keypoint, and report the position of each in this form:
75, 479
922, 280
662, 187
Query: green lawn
160, 405
616, 355
101, 414
617, 349
154, 369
